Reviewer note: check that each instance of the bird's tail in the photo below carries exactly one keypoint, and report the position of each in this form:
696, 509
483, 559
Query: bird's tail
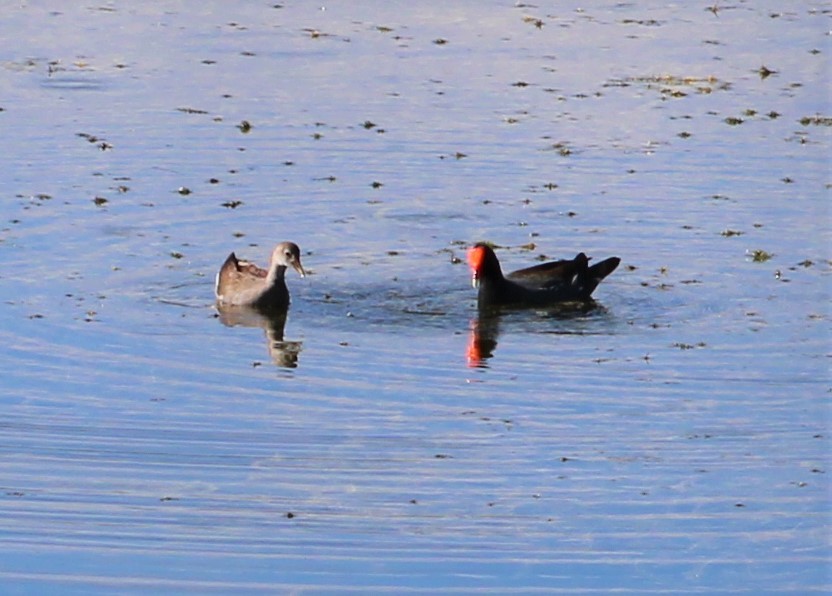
597, 272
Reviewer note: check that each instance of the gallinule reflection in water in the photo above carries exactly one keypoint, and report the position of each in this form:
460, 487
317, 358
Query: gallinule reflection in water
483, 340
542, 285
241, 283
283, 353
557, 319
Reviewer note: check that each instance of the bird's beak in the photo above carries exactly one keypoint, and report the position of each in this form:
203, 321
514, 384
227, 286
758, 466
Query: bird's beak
299, 268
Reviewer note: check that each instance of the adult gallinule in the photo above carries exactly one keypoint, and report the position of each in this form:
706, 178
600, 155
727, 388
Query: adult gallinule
541, 285
241, 283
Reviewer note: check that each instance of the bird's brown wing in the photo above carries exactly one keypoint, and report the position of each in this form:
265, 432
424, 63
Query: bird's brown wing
249, 268
235, 273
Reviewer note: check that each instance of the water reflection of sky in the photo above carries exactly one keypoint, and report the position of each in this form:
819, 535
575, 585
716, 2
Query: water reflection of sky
678, 435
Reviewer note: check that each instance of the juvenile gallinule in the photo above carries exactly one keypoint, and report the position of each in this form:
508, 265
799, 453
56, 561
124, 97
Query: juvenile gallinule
541, 285
241, 283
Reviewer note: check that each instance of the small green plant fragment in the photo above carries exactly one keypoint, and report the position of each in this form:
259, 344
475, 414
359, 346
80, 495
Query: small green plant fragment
760, 256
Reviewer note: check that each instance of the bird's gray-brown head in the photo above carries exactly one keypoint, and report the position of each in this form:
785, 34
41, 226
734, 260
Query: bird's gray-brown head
287, 254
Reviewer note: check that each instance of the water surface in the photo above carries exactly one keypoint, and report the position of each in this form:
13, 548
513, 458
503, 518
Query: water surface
673, 439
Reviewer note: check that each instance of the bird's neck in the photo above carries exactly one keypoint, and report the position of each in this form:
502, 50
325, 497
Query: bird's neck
492, 272
276, 274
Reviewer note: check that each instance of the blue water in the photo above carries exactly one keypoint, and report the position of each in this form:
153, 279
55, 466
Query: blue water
673, 439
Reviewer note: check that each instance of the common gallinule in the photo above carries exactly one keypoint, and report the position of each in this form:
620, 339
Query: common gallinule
241, 283
541, 285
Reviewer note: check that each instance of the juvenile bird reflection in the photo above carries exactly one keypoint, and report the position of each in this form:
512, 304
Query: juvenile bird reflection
283, 353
